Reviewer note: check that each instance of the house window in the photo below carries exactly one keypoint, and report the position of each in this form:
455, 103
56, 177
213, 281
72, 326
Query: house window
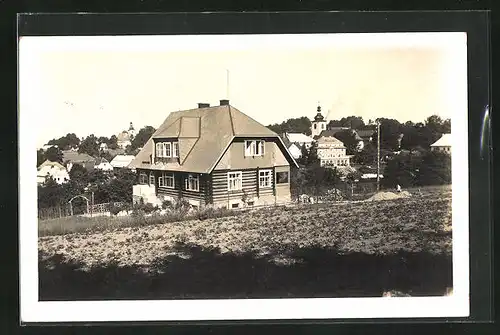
236, 205
175, 149
282, 177
143, 178
314, 126
265, 178
159, 150
167, 149
254, 148
151, 179
166, 180
234, 181
192, 183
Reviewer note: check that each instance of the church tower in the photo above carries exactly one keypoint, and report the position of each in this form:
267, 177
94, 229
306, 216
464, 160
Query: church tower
131, 130
319, 124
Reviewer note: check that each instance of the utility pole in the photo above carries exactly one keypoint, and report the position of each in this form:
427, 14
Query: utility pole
378, 156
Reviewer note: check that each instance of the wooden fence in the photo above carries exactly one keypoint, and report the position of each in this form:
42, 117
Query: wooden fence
64, 210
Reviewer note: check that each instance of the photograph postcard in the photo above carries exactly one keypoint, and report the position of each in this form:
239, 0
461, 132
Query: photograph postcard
243, 177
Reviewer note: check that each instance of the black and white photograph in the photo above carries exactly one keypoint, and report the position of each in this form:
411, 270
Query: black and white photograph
212, 177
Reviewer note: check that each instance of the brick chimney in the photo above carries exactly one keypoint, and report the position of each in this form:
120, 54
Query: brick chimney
203, 105
224, 102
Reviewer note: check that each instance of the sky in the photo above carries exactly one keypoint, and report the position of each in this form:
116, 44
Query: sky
97, 85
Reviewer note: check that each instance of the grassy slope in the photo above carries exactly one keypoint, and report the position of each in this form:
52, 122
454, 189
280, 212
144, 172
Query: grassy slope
357, 249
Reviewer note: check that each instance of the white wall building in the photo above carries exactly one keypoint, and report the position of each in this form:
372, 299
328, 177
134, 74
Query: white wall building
295, 151
52, 169
299, 139
443, 144
332, 152
103, 164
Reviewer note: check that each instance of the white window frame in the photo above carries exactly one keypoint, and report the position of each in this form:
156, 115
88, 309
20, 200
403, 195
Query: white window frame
169, 176
192, 178
151, 177
143, 178
175, 149
254, 148
233, 179
265, 175
159, 150
168, 149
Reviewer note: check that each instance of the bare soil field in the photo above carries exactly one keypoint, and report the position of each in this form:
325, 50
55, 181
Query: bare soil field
321, 250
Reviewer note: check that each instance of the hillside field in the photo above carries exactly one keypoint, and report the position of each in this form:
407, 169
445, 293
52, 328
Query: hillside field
323, 250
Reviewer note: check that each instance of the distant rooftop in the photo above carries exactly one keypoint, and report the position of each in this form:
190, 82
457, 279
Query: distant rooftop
444, 141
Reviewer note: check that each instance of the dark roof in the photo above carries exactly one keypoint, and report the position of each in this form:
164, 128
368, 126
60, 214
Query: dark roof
76, 157
204, 134
365, 132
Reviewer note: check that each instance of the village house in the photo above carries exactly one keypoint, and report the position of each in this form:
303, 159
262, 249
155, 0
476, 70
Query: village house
213, 156
332, 152
53, 170
443, 144
103, 165
121, 161
72, 157
295, 141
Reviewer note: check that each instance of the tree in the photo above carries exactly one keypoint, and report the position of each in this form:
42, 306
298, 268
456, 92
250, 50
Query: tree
401, 170
294, 125
50, 194
113, 142
390, 132
348, 137
435, 169
54, 154
142, 137
309, 156
367, 156
89, 146
40, 157
79, 175
66, 142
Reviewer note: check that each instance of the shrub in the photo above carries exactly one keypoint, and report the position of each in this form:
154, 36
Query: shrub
114, 210
167, 204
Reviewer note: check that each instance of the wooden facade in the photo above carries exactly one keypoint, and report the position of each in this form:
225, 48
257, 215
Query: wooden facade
213, 188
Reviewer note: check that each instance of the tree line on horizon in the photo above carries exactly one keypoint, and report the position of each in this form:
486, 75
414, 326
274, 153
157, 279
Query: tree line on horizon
91, 145
394, 135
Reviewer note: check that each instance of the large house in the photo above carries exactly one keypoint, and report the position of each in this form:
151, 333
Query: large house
213, 156
53, 170
443, 144
332, 152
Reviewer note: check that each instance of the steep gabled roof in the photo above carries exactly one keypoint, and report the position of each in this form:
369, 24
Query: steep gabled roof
444, 141
52, 164
204, 134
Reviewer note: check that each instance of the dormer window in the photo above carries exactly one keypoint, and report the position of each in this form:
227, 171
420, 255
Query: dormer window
254, 148
167, 149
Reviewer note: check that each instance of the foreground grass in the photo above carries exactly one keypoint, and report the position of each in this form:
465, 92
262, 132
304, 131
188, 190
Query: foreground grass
354, 249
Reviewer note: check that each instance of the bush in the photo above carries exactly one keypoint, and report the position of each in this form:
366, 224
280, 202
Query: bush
167, 204
114, 210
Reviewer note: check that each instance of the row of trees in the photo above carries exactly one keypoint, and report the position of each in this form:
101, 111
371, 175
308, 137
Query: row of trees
394, 135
